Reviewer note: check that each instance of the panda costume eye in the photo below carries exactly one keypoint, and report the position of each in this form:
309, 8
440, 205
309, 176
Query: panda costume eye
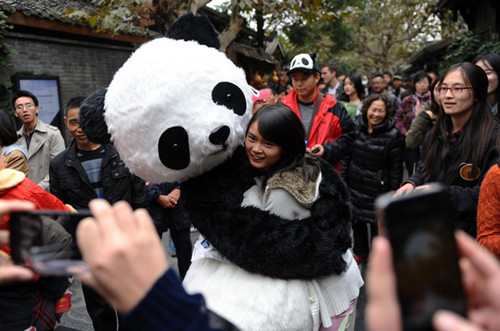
229, 95
173, 148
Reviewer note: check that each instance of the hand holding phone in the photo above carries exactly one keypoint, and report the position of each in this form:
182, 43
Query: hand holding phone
45, 241
420, 229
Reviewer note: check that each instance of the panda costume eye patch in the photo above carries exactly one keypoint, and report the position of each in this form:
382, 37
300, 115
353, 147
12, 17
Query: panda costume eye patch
229, 95
173, 148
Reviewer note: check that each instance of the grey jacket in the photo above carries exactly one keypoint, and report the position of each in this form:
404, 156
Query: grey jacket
46, 143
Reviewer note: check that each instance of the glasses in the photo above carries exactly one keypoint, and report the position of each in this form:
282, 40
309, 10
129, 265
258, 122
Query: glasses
456, 90
26, 105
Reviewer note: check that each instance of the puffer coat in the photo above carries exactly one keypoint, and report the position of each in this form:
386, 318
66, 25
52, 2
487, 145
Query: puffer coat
374, 165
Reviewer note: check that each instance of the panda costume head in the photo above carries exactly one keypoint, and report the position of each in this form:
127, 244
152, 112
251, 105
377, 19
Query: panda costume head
176, 108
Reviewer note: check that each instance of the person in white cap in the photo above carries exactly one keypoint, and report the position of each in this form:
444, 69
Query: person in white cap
329, 128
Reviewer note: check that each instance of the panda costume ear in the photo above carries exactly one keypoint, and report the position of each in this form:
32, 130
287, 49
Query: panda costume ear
194, 27
91, 118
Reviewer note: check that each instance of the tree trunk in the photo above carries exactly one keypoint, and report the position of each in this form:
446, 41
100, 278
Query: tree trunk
236, 24
260, 28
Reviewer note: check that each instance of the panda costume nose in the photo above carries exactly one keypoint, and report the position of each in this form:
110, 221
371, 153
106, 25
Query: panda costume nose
219, 135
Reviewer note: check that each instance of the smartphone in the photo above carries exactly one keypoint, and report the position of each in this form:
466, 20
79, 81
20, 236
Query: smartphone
45, 241
420, 228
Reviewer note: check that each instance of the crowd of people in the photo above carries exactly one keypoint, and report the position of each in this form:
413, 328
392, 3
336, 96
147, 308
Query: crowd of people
358, 139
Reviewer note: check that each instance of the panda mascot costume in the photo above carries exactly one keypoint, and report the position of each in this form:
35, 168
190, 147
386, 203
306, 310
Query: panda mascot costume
178, 110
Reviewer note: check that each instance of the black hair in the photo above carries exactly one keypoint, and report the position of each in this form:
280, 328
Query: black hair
358, 85
72, 103
377, 96
23, 93
418, 77
8, 134
439, 164
279, 125
494, 61
377, 75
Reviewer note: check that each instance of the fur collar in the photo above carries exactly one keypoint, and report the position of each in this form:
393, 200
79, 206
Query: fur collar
10, 178
264, 243
295, 183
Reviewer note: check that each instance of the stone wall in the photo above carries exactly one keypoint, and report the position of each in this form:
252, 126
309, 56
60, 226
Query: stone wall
82, 66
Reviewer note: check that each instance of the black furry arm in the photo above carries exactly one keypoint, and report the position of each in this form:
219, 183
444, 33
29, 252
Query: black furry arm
264, 243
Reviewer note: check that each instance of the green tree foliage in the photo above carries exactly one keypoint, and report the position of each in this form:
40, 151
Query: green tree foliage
465, 49
374, 35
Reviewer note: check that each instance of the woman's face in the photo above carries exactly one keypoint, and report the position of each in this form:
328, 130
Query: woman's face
456, 95
435, 93
261, 153
422, 86
349, 88
492, 75
376, 113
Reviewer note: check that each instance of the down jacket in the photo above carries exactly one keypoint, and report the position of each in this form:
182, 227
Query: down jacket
332, 126
70, 183
374, 165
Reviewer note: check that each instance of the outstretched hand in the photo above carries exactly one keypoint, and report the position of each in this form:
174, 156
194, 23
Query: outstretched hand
123, 251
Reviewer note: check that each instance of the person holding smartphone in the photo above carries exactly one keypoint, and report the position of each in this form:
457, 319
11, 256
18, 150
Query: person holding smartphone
480, 274
463, 145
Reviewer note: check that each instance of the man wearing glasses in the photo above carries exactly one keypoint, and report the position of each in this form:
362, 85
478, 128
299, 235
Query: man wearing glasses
43, 141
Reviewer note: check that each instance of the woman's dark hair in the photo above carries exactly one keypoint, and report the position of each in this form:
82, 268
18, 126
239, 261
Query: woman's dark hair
8, 134
475, 139
373, 97
494, 63
418, 77
279, 125
358, 85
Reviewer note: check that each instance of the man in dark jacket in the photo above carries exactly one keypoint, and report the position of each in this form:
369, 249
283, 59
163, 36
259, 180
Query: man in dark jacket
328, 126
87, 171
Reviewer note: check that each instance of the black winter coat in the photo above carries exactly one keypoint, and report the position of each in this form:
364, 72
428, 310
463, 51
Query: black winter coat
70, 183
464, 194
374, 165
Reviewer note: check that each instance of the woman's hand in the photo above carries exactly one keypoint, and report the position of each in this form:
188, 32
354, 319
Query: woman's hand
123, 251
405, 189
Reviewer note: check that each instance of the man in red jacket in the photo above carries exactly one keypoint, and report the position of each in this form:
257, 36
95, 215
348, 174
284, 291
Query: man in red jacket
328, 126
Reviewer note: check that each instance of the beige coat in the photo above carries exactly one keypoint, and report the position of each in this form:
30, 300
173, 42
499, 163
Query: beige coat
46, 143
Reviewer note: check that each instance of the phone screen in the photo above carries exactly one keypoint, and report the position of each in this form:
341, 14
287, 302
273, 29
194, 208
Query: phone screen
45, 241
420, 228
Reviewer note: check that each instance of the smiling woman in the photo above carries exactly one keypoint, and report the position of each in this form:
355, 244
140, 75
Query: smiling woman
372, 167
463, 145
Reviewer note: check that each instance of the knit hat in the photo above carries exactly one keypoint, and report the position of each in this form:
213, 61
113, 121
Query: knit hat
305, 63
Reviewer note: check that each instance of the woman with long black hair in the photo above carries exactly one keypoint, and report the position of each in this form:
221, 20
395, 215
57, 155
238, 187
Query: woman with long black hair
463, 145
490, 63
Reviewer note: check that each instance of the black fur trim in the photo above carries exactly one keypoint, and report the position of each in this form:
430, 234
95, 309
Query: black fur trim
264, 243
91, 118
194, 27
